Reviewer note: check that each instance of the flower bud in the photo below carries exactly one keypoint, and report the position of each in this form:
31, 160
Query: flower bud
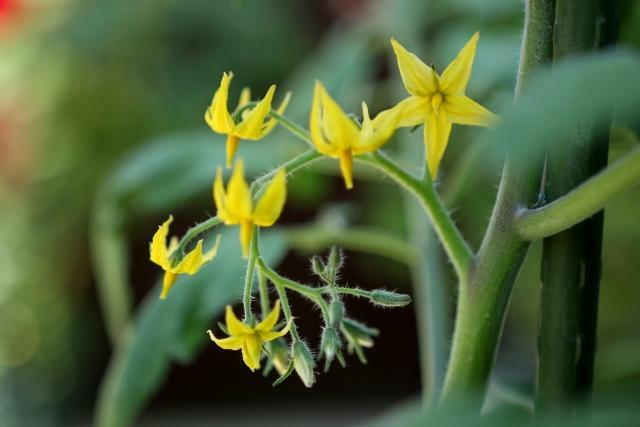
389, 298
303, 363
335, 259
279, 355
318, 267
330, 343
336, 313
359, 333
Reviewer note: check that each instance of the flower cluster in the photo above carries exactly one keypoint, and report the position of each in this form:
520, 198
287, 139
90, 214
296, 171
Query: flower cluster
435, 101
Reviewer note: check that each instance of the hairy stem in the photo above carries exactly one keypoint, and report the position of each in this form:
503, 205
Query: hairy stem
482, 304
248, 278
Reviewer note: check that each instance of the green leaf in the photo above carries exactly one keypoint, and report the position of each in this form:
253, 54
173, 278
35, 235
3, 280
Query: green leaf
174, 329
583, 89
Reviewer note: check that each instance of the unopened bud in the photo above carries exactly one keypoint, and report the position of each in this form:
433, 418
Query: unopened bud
317, 266
303, 363
359, 333
335, 259
330, 343
389, 298
279, 355
336, 313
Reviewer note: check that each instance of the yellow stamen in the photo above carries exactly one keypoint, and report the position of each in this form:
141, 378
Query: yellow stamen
232, 146
246, 228
436, 101
346, 166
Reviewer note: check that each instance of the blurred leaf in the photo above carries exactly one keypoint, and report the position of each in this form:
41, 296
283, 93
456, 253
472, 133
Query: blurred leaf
173, 329
160, 176
586, 88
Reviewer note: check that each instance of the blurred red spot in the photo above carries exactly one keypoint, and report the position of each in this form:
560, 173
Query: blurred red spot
8, 8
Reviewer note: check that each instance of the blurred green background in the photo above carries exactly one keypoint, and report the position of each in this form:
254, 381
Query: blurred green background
102, 137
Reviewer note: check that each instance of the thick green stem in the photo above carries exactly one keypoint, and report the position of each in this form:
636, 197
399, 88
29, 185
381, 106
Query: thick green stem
456, 247
482, 304
571, 260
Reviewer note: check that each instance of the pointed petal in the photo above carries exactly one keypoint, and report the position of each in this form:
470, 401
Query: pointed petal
239, 203
436, 138
465, 111
382, 128
271, 123
167, 283
270, 321
315, 125
245, 97
338, 128
455, 77
246, 232
191, 262
232, 147
272, 335
418, 78
414, 111
217, 115
220, 200
346, 167
251, 351
235, 326
173, 245
229, 343
211, 253
270, 205
158, 251
253, 121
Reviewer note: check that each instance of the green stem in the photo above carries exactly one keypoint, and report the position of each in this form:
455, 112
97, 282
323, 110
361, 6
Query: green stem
581, 202
369, 240
264, 294
292, 127
289, 166
194, 232
483, 303
456, 247
248, 278
571, 260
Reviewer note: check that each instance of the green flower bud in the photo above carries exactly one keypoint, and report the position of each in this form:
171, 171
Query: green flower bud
303, 363
336, 313
335, 259
318, 267
359, 333
279, 355
330, 343
389, 298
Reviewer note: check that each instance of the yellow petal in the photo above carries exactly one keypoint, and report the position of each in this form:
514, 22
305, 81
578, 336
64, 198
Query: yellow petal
379, 130
270, 205
251, 351
246, 233
238, 202
436, 137
272, 335
271, 123
346, 167
418, 78
232, 147
235, 326
230, 343
211, 253
270, 321
191, 262
220, 200
167, 283
245, 97
253, 121
414, 111
316, 131
465, 111
158, 251
455, 77
338, 128
217, 115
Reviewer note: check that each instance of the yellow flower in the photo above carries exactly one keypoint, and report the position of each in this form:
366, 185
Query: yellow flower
235, 206
161, 254
249, 339
439, 100
334, 134
250, 124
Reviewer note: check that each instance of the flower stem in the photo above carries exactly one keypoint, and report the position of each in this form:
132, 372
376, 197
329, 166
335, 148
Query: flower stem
456, 247
248, 278
289, 166
292, 127
195, 231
